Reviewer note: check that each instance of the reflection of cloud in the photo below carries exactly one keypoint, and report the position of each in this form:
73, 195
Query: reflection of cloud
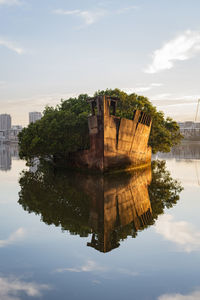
11, 46
181, 233
180, 48
92, 266
10, 288
192, 296
96, 281
89, 17
141, 89
17, 235
126, 272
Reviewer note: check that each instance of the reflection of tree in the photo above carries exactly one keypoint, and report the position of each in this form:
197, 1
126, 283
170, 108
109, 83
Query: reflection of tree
54, 196
109, 207
164, 190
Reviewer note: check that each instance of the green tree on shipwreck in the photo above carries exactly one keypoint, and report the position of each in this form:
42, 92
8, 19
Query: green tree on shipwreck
64, 129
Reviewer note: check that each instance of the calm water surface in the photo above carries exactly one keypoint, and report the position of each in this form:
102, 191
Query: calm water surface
70, 236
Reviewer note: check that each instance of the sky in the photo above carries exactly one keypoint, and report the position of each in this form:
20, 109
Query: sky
55, 49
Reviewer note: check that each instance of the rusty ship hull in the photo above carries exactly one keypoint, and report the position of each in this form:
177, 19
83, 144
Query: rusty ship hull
115, 143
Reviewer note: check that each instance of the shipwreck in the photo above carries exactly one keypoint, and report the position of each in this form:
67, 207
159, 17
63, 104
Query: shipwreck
115, 143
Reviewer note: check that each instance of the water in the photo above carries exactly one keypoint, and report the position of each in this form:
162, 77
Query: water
72, 236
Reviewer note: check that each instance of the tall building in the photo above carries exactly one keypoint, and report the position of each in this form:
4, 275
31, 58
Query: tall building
5, 122
5, 126
34, 116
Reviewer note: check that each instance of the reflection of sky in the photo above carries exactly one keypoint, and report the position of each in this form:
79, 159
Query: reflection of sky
188, 172
12, 287
191, 296
15, 236
182, 233
161, 263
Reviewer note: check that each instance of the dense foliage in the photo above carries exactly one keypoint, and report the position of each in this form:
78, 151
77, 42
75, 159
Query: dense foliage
61, 130
64, 129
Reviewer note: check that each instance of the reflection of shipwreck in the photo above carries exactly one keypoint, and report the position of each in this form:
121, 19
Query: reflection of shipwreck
118, 208
109, 207
114, 142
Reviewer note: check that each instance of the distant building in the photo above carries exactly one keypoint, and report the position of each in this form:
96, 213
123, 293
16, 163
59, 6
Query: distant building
34, 116
5, 126
13, 133
190, 130
5, 122
189, 125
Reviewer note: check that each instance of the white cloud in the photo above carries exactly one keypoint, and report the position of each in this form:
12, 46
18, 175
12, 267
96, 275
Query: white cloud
10, 2
192, 296
163, 96
14, 237
182, 233
176, 97
92, 16
89, 17
11, 46
141, 89
181, 48
11, 288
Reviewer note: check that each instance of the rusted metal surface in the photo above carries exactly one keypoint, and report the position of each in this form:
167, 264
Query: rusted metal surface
114, 142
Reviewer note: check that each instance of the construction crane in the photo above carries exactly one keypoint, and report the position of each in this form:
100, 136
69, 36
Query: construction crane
197, 110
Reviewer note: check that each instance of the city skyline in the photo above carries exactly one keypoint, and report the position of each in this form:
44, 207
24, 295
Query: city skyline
147, 47
6, 119
8, 131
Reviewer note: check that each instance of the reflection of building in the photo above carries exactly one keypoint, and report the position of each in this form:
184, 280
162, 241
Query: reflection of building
34, 116
110, 207
5, 126
5, 157
116, 205
7, 153
14, 150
